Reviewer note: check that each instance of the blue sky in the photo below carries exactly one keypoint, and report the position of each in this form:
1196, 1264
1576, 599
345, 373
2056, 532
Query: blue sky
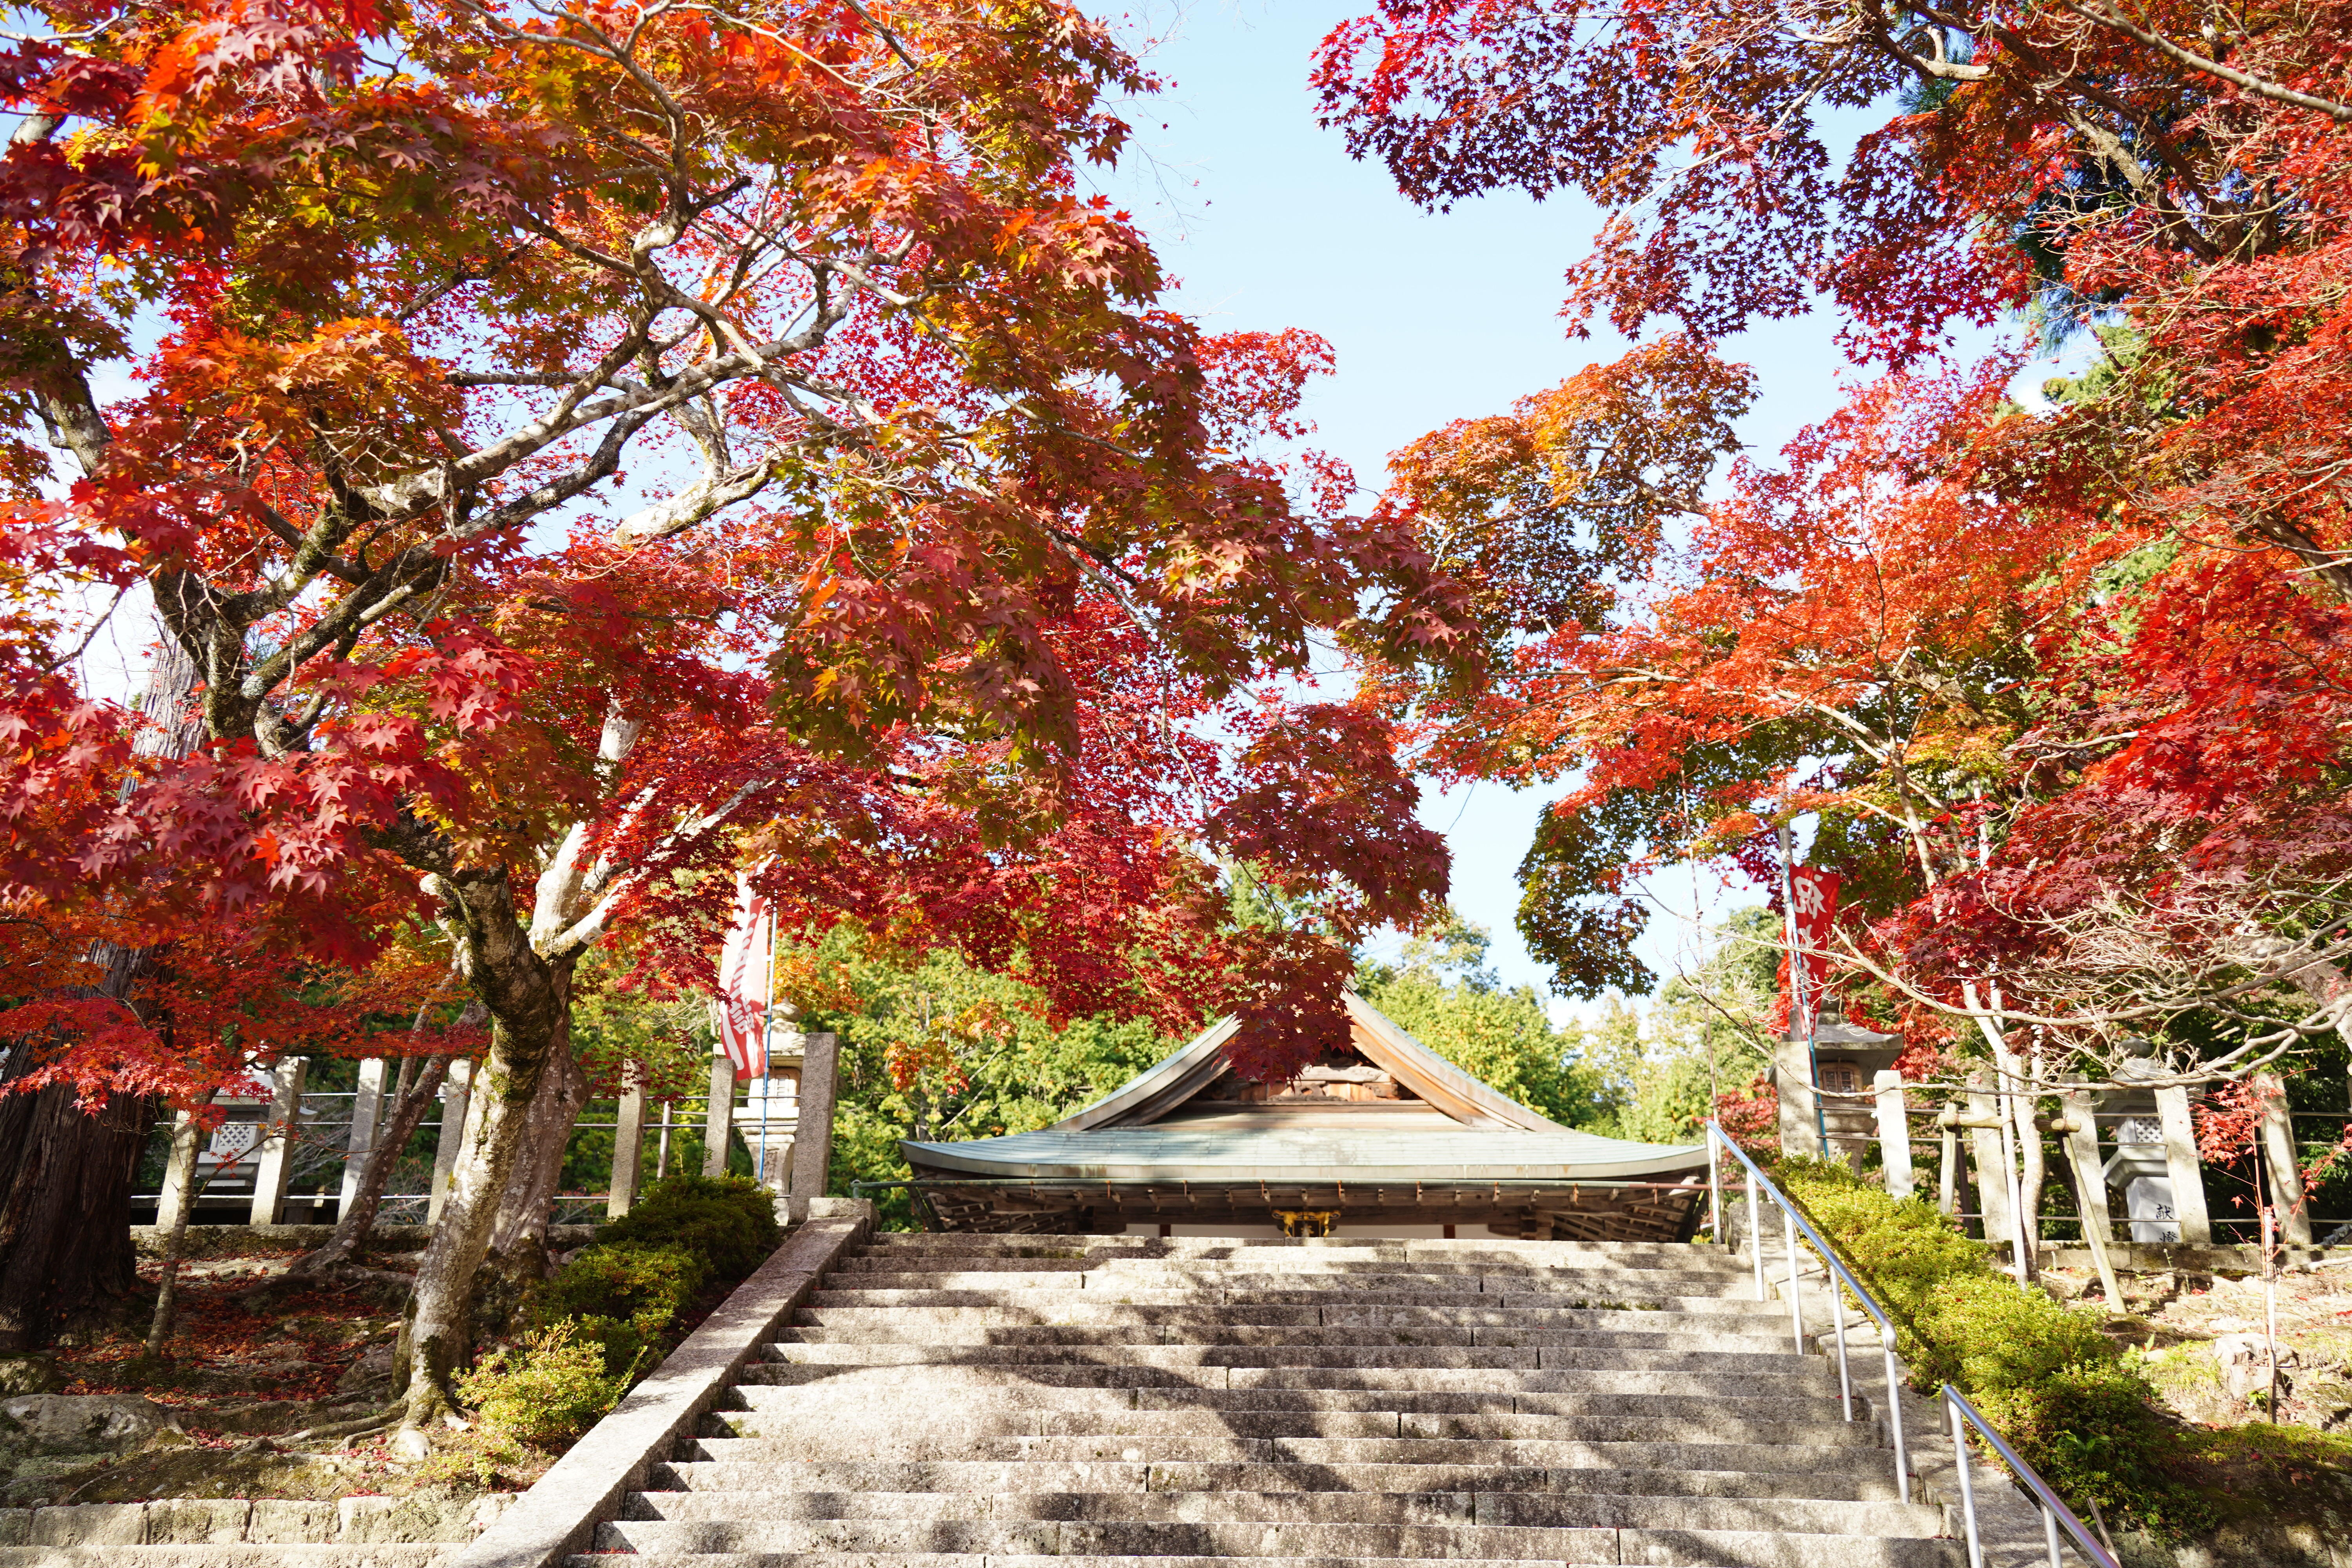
1268, 223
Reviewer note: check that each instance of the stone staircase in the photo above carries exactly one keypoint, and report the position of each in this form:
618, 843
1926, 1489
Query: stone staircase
1168, 1404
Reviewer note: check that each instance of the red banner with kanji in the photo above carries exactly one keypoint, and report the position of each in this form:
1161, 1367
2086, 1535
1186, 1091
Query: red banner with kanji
745, 980
1816, 896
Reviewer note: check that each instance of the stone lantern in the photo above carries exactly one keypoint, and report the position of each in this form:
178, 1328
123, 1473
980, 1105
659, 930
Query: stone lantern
1848, 1057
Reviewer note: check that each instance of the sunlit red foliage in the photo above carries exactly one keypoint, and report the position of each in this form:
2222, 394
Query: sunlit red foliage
2061, 685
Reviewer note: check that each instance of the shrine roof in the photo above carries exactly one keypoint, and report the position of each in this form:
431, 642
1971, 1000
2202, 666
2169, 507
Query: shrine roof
1436, 1124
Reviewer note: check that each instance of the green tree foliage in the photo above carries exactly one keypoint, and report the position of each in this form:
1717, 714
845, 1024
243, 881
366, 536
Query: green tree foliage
1705, 1035
1443, 994
932, 1047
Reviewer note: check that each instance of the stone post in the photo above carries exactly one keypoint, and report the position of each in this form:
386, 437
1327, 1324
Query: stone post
275, 1163
1893, 1133
2180, 1159
2278, 1159
1992, 1169
179, 1173
1947, 1173
720, 1129
812, 1140
628, 1139
1793, 1081
367, 1110
456, 1101
2082, 1145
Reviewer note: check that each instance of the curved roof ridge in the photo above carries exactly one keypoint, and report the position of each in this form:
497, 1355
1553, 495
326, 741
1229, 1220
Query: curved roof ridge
1462, 1095
1193, 1066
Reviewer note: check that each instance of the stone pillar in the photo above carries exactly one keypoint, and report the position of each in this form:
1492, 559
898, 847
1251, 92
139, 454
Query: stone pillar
2278, 1159
1948, 1171
367, 1111
1992, 1169
721, 1129
179, 1172
1893, 1133
275, 1163
2090, 1171
812, 1140
1793, 1081
2082, 1145
628, 1139
457, 1103
2180, 1159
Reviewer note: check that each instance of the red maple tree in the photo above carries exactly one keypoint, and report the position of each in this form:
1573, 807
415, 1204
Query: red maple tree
580, 452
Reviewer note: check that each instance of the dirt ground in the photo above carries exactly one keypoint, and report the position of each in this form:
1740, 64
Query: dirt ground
292, 1401
2189, 1328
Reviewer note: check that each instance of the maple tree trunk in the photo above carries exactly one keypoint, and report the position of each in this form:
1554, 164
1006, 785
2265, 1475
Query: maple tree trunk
175, 1240
526, 1206
2035, 1168
529, 999
409, 1101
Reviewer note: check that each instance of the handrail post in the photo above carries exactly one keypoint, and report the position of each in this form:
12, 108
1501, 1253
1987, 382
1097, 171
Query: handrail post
1714, 1186
1796, 1297
1967, 1486
1895, 1416
2050, 1534
1837, 1311
1756, 1234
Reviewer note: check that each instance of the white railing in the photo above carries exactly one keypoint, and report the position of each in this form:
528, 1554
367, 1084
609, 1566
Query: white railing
2055, 1515
1719, 1143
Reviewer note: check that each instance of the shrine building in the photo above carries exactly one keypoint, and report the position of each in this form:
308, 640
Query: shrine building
1384, 1138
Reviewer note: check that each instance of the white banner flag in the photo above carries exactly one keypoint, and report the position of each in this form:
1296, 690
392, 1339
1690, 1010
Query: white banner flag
745, 977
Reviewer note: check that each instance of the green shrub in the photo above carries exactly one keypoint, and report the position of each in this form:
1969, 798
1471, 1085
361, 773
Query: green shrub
2001, 1337
547, 1390
728, 1222
623, 1298
2059, 1390
625, 1282
613, 1308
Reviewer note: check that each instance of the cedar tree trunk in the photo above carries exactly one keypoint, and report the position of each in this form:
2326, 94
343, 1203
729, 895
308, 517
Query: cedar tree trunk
65, 1259
66, 1173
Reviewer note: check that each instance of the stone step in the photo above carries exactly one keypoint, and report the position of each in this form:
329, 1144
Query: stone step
1560, 1373
1775, 1399
1216, 1326
1528, 1355
1568, 1291
1054, 1304
952, 1560
1584, 1511
1157, 1543
1123, 1336
989, 1478
899, 1261
948, 1443
843, 1422
1657, 1549
1048, 1538
1085, 1311
1337, 1247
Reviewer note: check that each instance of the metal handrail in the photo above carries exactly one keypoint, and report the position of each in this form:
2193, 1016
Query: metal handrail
2055, 1513
1791, 1222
